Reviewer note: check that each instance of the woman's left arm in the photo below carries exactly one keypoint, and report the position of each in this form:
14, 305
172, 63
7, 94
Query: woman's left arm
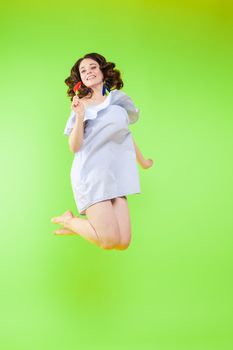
145, 163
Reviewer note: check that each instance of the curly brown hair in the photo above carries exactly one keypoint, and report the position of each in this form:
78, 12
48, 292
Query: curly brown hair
112, 77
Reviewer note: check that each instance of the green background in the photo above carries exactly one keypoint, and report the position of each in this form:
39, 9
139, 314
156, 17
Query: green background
172, 288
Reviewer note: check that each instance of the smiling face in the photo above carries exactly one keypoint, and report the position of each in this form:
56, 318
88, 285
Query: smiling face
90, 72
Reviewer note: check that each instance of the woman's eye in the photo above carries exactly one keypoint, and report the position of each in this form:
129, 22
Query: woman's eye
83, 71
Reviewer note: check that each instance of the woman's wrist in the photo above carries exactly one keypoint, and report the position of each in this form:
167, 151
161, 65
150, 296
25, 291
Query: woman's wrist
80, 116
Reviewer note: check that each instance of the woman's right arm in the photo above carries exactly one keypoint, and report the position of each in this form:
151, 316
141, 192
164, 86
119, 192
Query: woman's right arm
76, 135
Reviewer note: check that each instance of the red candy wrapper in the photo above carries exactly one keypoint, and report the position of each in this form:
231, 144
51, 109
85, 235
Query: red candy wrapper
76, 87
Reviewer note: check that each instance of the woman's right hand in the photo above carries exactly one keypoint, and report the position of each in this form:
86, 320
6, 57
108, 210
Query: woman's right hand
78, 106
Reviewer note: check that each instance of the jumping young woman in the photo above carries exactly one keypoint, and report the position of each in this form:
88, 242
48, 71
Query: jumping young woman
104, 169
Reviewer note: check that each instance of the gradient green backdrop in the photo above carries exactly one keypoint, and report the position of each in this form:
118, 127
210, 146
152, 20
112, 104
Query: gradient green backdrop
172, 289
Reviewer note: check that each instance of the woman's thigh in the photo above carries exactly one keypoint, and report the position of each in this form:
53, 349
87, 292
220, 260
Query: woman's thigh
102, 217
121, 209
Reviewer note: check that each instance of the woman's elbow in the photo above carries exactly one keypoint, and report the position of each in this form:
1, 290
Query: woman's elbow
74, 149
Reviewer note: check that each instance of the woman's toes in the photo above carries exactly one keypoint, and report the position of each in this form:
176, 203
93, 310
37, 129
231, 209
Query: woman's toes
68, 213
59, 220
64, 231
62, 219
55, 220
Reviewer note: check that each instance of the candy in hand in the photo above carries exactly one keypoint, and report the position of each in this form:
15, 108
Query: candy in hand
76, 87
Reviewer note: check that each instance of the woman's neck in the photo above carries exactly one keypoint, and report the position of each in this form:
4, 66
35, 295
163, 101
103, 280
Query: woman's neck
97, 95
97, 92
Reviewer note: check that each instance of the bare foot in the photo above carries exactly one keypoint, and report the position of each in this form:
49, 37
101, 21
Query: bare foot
63, 219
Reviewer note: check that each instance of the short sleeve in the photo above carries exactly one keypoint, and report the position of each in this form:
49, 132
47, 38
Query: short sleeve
123, 100
70, 123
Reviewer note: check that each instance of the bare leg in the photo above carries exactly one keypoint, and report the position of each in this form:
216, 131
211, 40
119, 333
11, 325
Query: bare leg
121, 210
76, 225
100, 228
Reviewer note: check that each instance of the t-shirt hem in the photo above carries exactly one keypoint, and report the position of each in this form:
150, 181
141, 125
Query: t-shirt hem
81, 211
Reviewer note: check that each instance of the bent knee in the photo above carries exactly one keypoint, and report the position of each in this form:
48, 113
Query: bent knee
122, 247
124, 244
110, 241
109, 245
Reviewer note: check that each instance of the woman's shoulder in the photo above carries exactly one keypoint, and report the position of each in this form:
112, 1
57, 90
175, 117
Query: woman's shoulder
118, 95
118, 92
122, 99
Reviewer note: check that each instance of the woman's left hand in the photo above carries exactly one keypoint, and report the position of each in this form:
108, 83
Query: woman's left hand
147, 163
